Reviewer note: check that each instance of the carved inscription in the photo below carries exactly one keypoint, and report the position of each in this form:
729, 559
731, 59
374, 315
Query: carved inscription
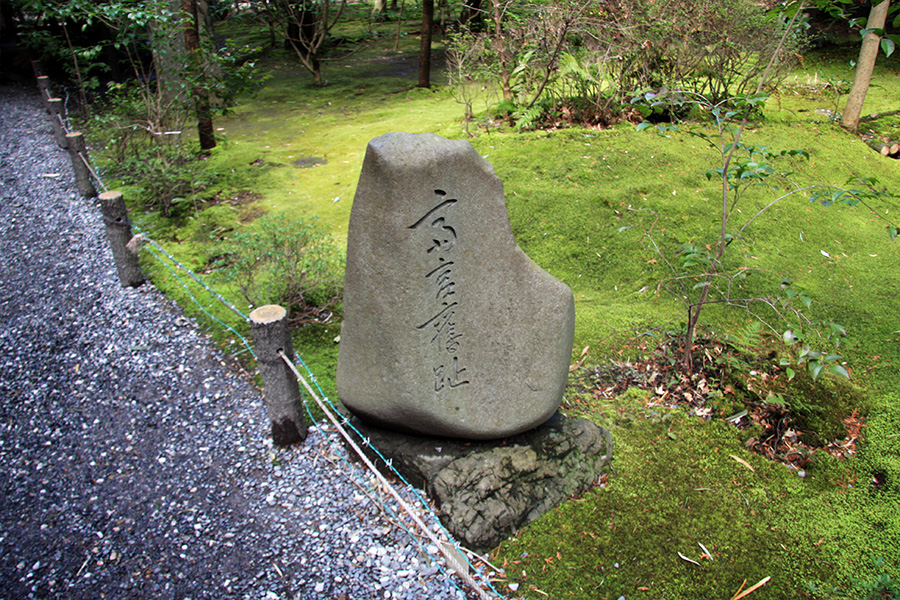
438, 234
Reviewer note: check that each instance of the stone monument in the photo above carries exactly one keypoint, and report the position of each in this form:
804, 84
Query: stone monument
455, 346
449, 328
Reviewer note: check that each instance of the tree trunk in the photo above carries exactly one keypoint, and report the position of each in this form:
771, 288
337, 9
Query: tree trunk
500, 47
425, 51
318, 80
865, 66
200, 95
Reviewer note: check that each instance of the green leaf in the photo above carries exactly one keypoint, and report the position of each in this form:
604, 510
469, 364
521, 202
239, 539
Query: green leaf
892, 231
888, 46
815, 369
644, 125
790, 374
839, 370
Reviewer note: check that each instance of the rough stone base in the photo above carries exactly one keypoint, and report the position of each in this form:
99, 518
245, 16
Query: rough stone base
486, 491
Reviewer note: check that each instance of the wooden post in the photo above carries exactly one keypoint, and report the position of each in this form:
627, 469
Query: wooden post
280, 387
79, 155
118, 232
43, 83
38, 68
59, 134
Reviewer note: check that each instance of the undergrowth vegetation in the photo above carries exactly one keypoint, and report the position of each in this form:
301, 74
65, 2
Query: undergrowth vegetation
293, 263
747, 468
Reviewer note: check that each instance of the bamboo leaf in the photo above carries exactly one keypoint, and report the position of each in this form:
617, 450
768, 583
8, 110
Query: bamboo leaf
683, 557
750, 590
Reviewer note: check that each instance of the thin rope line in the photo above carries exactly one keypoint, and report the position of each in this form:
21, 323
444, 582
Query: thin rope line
66, 109
369, 490
62, 123
92, 172
206, 312
384, 482
197, 279
381, 456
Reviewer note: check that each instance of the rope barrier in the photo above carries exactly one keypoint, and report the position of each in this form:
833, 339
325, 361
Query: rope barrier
93, 172
201, 307
193, 276
387, 462
366, 488
62, 123
66, 109
157, 250
465, 576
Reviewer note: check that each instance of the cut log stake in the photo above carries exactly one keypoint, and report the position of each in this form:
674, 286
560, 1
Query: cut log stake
118, 233
43, 83
79, 155
280, 387
38, 68
59, 134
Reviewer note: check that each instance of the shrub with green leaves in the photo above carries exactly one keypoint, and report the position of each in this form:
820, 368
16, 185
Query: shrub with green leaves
293, 263
581, 61
168, 175
717, 50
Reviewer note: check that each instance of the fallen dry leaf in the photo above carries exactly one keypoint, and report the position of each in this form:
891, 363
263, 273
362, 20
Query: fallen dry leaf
750, 590
743, 462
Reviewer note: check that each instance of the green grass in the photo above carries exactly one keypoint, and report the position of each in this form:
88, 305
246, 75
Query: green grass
580, 202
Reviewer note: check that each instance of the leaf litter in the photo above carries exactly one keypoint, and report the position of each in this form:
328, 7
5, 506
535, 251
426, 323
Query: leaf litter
716, 379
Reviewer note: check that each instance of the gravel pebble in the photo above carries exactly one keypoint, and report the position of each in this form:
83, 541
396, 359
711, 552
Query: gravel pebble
135, 457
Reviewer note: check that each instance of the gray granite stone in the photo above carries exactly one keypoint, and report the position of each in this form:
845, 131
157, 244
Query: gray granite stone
449, 328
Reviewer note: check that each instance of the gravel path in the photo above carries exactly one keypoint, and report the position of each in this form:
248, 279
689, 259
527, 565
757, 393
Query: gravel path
135, 462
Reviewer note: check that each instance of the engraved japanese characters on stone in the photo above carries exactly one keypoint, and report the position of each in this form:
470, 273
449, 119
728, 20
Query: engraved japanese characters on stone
436, 230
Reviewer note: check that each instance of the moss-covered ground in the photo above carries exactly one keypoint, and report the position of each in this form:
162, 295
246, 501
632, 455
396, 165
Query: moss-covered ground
580, 202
